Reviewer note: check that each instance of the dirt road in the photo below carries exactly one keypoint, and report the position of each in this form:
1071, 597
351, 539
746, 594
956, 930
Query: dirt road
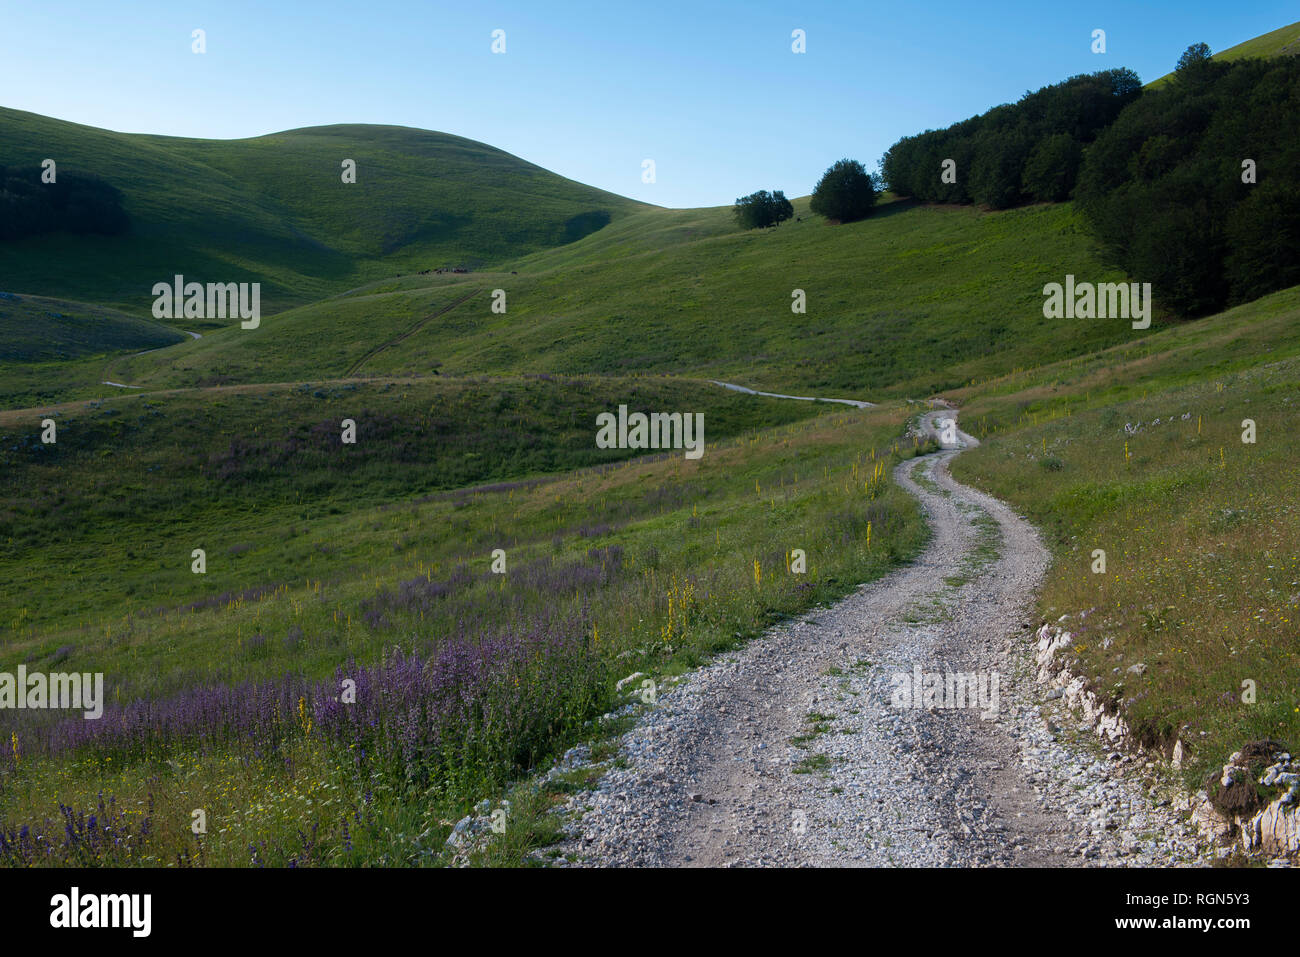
801, 750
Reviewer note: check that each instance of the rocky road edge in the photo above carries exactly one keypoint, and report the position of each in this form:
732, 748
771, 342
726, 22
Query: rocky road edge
1270, 832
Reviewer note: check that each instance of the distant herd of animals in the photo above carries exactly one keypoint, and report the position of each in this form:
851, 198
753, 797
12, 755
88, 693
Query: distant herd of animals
442, 269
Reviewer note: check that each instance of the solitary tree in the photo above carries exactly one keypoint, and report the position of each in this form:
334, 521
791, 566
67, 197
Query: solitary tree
762, 209
1196, 69
846, 192
1193, 55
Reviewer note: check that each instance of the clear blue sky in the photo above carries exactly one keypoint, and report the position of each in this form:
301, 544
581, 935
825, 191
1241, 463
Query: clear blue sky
710, 91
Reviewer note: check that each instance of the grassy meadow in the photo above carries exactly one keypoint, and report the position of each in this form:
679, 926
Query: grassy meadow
465, 679
1141, 452
908, 302
134, 484
37, 329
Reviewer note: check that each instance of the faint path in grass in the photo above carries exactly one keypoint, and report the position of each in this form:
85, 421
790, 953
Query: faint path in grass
112, 363
799, 398
356, 366
10, 417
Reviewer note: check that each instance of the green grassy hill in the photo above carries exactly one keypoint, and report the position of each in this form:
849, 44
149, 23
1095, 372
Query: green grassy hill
243, 461
274, 209
323, 559
54, 350
35, 328
1284, 41
910, 301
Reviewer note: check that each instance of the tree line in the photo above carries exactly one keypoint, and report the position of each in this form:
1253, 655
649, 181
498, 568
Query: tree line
1196, 186
1019, 152
1193, 186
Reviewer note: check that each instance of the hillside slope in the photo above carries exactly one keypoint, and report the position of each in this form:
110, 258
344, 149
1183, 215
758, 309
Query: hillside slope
1143, 452
1284, 41
910, 301
274, 209
35, 328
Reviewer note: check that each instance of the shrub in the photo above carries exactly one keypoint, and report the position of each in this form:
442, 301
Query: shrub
846, 192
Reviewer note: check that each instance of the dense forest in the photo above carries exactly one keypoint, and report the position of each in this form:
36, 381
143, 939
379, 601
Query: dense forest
1193, 186
1196, 186
1015, 153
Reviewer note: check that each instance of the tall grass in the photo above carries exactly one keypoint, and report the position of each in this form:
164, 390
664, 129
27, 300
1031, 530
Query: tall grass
1191, 630
463, 678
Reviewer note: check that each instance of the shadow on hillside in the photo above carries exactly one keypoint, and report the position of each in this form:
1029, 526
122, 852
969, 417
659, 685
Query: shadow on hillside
893, 207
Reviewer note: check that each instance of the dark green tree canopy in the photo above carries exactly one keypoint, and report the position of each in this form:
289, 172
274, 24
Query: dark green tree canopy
846, 192
1195, 188
1196, 67
987, 159
1194, 54
1052, 168
761, 209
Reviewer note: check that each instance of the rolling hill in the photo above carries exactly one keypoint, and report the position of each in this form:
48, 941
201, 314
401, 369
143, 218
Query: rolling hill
327, 560
274, 209
1284, 41
35, 328
910, 301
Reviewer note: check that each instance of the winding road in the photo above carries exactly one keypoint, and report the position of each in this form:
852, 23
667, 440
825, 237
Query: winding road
793, 752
